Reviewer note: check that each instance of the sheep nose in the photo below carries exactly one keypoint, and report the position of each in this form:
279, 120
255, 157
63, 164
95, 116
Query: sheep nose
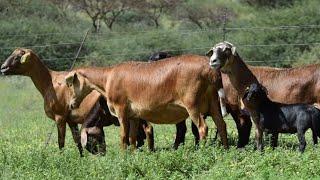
214, 63
72, 105
4, 66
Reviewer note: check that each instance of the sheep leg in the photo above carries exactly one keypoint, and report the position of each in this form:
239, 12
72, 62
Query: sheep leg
124, 133
61, 133
148, 129
141, 134
274, 140
218, 120
243, 123
302, 141
102, 143
76, 136
198, 120
259, 138
134, 123
314, 137
259, 131
180, 134
124, 127
195, 133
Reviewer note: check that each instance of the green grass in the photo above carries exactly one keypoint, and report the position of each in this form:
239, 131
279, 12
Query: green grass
24, 128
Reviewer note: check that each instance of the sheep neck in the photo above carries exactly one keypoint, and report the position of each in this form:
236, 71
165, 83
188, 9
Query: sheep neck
41, 76
240, 75
96, 76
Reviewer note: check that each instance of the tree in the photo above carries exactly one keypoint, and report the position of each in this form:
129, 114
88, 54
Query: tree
154, 9
203, 14
270, 3
117, 8
95, 9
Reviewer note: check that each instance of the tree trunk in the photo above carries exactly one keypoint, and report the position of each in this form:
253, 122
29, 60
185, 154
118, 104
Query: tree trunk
156, 23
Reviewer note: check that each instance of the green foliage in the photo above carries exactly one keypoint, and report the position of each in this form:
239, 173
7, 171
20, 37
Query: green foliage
34, 24
302, 13
269, 3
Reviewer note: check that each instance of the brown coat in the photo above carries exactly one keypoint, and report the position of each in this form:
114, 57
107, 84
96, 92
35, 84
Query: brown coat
162, 92
54, 91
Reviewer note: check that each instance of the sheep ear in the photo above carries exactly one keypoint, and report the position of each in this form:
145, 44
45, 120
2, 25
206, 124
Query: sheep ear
233, 50
84, 137
70, 78
25, 58
224, 48
209, 53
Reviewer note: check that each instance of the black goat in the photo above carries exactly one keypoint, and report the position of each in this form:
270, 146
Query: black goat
158, 55
278, 118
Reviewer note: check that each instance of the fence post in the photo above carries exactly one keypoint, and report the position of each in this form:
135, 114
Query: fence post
79, 50
72, 65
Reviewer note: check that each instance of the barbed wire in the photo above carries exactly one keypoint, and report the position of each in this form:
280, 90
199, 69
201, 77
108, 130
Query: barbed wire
282, 44
280, 27
45, 45
190, 49
239, 45
147, 52
173, 50
283, 27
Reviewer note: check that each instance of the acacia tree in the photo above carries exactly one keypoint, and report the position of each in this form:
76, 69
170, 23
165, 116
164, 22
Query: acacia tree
270, 3
62, 5
154, 9
203, 14
95, 9
117, 8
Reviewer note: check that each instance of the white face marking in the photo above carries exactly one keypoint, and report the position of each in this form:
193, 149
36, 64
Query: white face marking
213, 57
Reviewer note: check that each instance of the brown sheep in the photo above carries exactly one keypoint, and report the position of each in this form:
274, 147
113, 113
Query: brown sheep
55, 93
163, 92
223, 56
298, 85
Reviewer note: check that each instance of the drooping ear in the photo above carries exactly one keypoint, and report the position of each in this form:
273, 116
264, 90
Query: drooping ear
209, 53
25, 58
84, 137
233, 50
231, 46
224, 47
70, 78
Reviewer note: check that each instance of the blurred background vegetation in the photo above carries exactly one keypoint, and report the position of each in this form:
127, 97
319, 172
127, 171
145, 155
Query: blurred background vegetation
280, 33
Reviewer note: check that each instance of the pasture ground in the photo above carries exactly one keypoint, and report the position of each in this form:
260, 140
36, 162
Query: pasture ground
24, 128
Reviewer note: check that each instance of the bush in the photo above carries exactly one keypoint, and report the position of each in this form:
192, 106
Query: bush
302, 13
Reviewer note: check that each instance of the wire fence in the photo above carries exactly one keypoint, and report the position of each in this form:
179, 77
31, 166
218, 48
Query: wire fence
124, 36
133, 34
282, 27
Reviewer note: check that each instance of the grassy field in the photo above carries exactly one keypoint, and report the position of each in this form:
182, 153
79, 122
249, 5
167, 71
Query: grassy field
23, 155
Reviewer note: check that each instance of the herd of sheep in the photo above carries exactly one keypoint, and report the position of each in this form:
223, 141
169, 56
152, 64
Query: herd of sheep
135, 94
